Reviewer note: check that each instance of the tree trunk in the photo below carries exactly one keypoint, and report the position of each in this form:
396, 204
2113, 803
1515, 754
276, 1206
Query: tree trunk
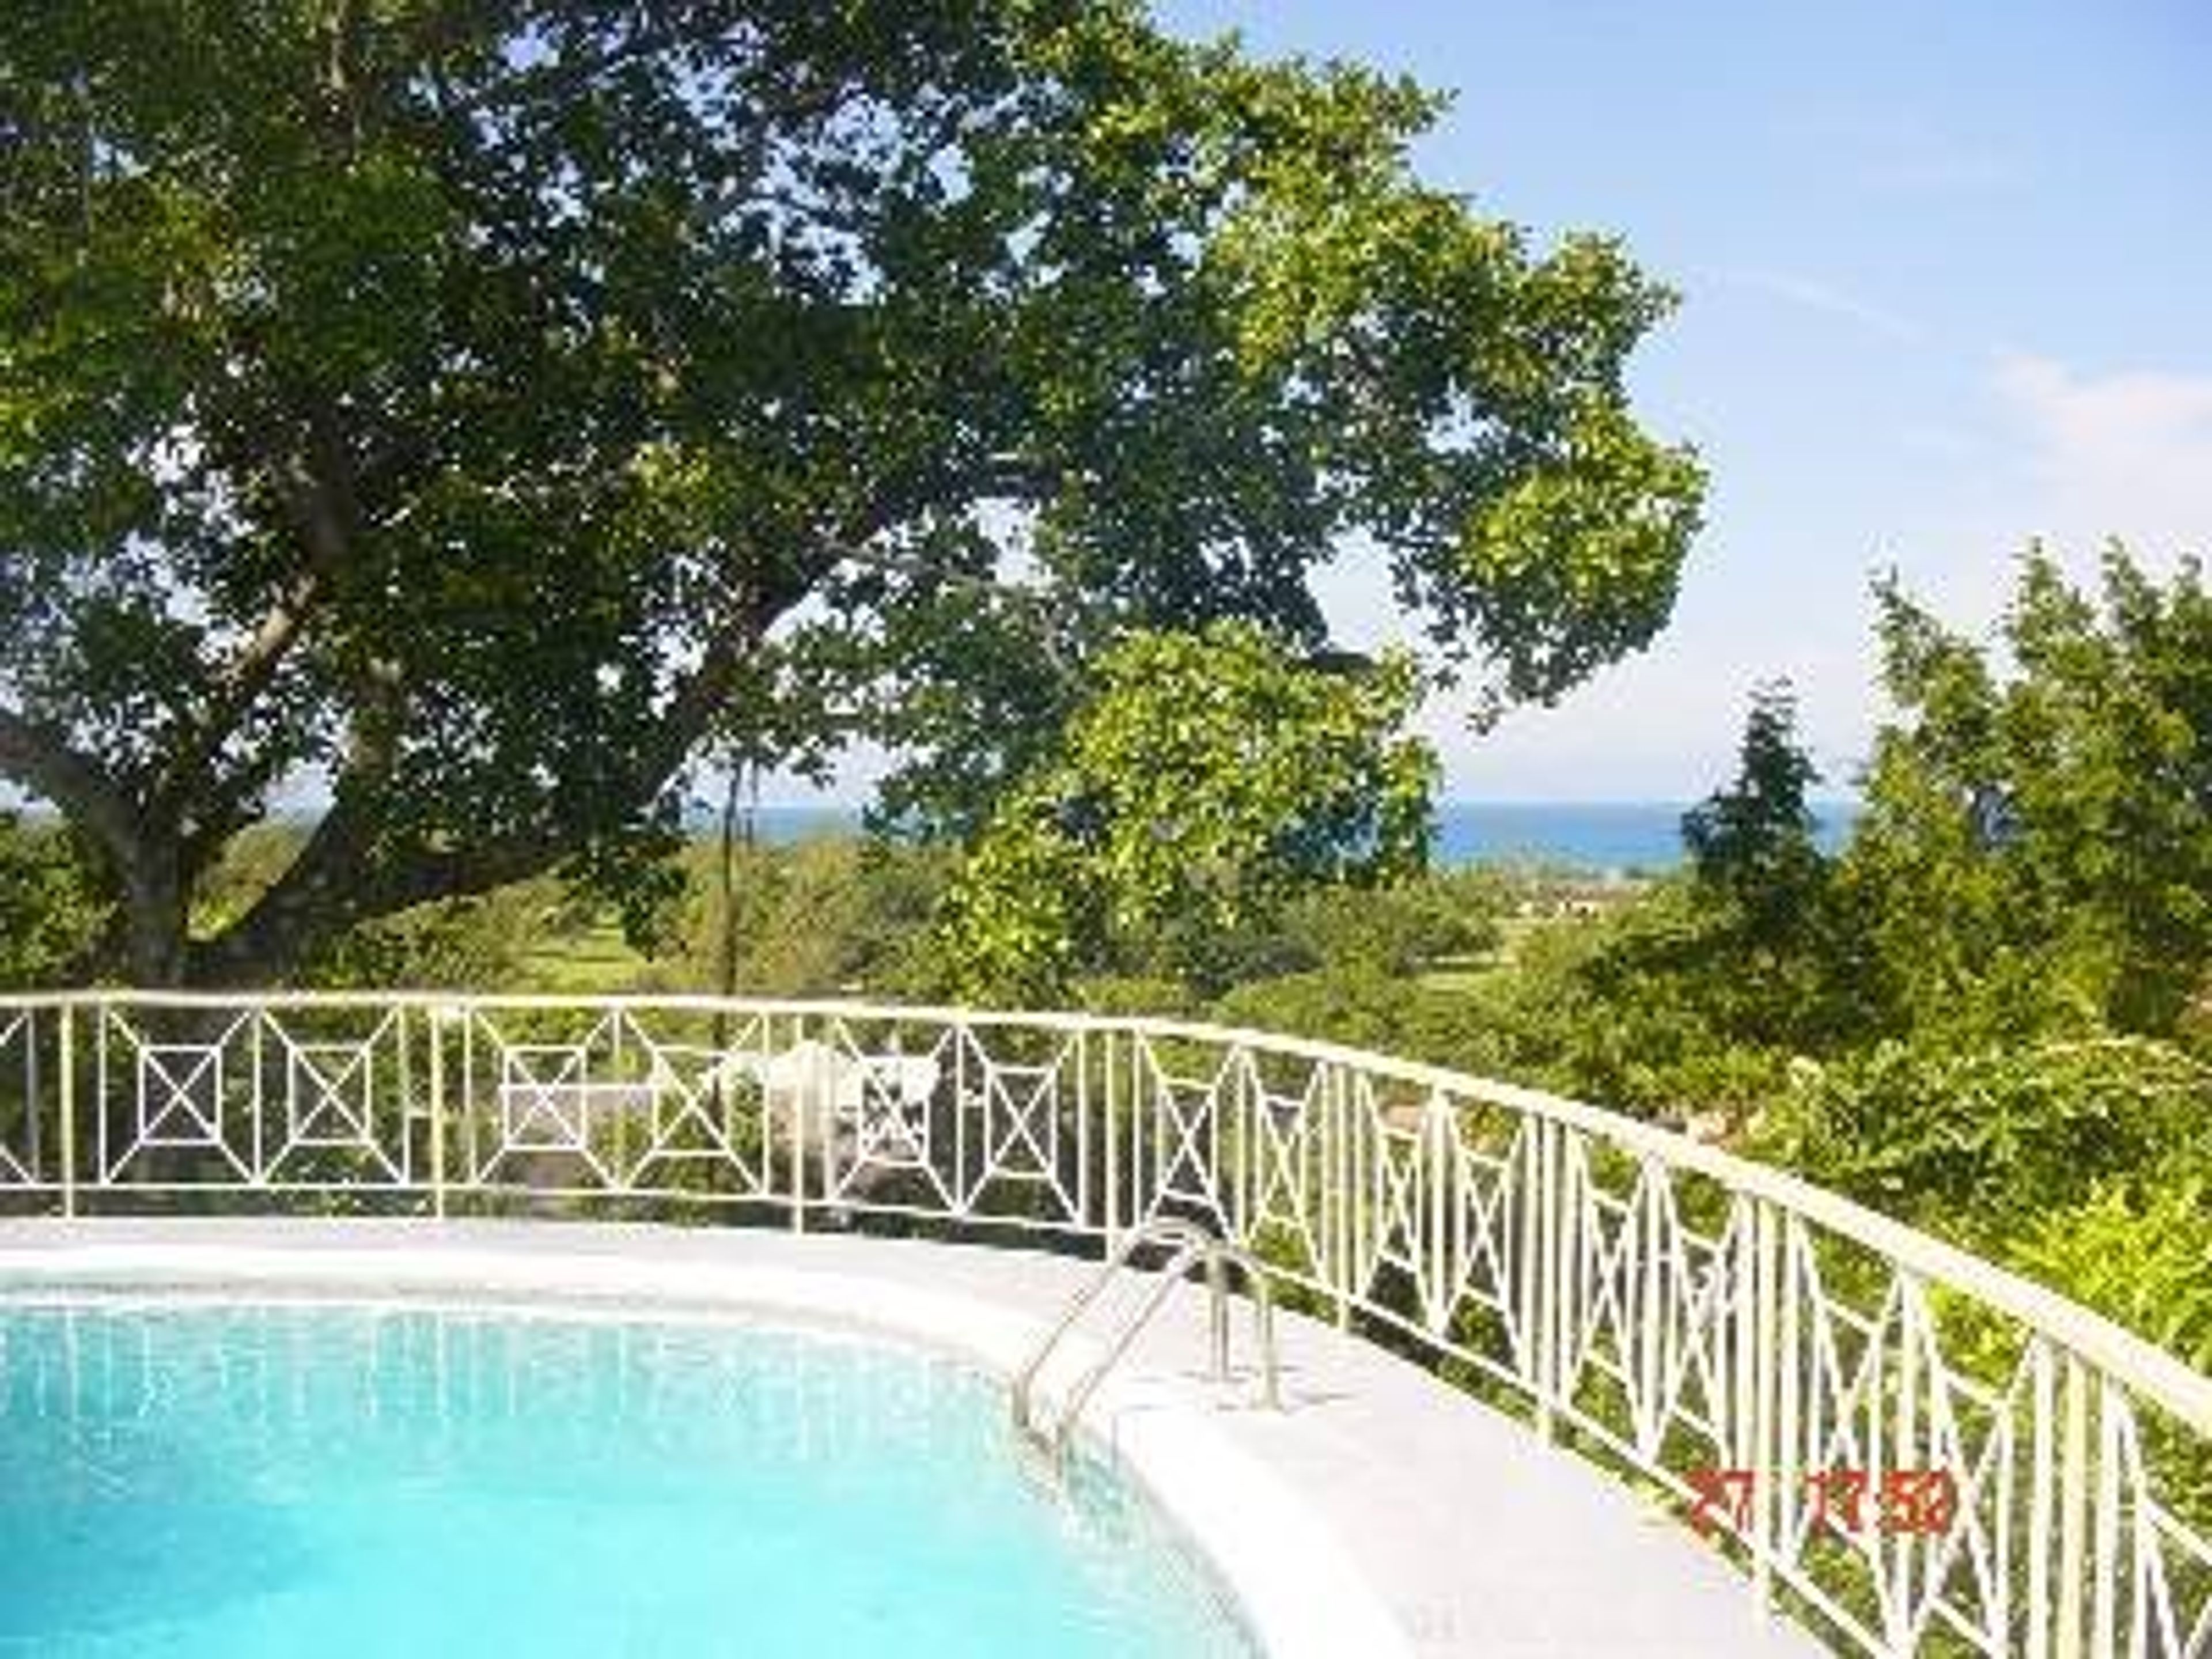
153, 908
726, 942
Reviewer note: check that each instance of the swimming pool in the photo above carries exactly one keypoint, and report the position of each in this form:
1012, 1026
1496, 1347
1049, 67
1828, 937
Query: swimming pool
287, 1477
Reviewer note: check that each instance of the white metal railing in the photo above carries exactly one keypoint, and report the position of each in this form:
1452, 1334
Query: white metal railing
1688, 1314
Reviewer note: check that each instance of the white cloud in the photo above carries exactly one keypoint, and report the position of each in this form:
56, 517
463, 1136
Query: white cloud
1937, 440
1665, 725
1934, 169
2126, 454
1902, 152
1810, 294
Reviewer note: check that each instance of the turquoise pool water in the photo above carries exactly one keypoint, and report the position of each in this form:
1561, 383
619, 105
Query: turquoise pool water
300, 1480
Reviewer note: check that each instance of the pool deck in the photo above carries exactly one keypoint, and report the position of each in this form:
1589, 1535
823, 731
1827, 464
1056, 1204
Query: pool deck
1381, 1513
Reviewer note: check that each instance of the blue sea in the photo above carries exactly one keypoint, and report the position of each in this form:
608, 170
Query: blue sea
1595, 835
1624, 835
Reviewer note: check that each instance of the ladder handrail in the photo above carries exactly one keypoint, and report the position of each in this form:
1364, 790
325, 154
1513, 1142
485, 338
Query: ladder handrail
1263, 1320
1187, 1238
1190, 1242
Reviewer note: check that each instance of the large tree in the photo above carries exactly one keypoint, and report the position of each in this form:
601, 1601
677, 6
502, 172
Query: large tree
2036, 852
466, 411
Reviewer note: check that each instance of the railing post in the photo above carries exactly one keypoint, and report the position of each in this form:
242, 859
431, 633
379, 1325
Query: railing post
1764, 1464
1532, 1268
799, 1126
1570, 1177
2041, 1503
1343, 1212
68, 1058
1110, 1133
2073, 1510
1079, 1107
1788, 1472
1551, 1196
1746, 1451
440, 1014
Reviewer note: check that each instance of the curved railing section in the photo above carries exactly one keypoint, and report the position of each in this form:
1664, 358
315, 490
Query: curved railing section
1914, 1451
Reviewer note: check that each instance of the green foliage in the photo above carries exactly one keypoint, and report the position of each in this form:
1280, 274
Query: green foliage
816, 919
2030, 871
51, 914
2136, 1251
481, 943
1359, 1004
1985, 1145
1210, 780
1401, 928
1691, 1000
1751, 843
2037, 845
1139, 996
1982, 1016
475, 943
492, 409
1622, 1009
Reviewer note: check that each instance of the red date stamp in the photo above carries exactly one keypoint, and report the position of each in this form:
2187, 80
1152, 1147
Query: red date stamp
1918, 1501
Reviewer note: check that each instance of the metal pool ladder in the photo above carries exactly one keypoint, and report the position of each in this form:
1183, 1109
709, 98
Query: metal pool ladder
1189, 1243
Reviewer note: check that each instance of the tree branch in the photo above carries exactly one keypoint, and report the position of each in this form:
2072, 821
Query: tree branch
323, 889
42, 761
335, 883
240, 682
565, 77
322, 501
347, 873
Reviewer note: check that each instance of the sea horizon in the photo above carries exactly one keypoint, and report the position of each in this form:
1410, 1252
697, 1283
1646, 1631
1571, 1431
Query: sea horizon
1622, 836
1599, 837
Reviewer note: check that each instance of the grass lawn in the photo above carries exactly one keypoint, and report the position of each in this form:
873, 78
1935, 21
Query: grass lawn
588, 961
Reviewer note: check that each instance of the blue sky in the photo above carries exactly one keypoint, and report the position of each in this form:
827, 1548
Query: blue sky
1946, 278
